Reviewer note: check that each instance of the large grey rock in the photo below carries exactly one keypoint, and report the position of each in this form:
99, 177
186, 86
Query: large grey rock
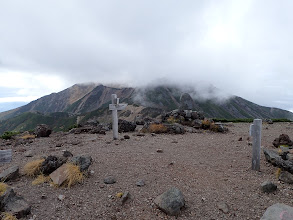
278, 211
275, 159
12, 203
82, 161
170, 201
286, 177
268, 187
175, 128
125, 126
9, 174
42, 130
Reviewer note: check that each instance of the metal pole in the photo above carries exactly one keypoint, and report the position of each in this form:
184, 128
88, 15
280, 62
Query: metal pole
114, 118
256, 143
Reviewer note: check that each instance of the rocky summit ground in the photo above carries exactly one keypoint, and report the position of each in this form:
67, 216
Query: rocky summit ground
212, 170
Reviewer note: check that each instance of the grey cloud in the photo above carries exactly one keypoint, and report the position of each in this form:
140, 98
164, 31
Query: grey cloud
137, 42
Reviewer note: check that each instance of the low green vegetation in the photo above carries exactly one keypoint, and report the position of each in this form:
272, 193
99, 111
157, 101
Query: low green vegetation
248, 120
8, 134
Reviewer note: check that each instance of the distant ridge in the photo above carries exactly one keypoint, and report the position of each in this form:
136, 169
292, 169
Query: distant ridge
92, 99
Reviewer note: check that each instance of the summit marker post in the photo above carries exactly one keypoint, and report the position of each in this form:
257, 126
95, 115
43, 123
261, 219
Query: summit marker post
114, 107
255, 132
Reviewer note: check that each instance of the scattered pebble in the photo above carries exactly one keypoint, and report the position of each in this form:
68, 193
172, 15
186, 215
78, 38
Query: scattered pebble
28, 153
109, 180
126, 137
125, 197
140, 183
223, 207
159, 151
61, 197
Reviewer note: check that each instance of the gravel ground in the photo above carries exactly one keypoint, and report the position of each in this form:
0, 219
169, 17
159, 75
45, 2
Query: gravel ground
209, 168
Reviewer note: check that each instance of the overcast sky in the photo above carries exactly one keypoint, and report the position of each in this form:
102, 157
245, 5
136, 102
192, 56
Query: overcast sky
243, 47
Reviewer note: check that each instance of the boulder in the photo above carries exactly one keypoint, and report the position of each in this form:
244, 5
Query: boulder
282, 140
269, 121
9, 174
42, 130
51, 163
125, 126
275, 159
197, 115
175, 128
197, 123
278, 211
286, 177
12, 203
268, 187
170, 201
82, 161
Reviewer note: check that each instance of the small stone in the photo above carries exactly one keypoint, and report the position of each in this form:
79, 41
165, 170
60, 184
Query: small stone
109, 180
140, 183
43, 196
126, 137
28, 153
170, 201
108, 142
92, 172
159, 151
268, 187
240, 139
153, 134
223, 207
67, 153
59, 144
61, 197
174, 142
125, 197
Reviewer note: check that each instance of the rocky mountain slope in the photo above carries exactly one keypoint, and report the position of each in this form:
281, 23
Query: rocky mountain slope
92, 100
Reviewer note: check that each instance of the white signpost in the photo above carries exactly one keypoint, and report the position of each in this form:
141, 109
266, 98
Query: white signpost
114, 107
255, 132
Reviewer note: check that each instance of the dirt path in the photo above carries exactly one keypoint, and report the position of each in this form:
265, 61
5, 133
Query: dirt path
209, 168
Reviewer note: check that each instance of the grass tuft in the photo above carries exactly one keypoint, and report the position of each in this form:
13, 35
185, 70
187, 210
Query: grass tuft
278, 172
74, 175
28, 136
41, 179
3, 188
33, 168
157, 128
7, 216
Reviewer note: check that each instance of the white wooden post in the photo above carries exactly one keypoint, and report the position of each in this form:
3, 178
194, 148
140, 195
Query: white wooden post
114, 107
255, 132
5, 156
